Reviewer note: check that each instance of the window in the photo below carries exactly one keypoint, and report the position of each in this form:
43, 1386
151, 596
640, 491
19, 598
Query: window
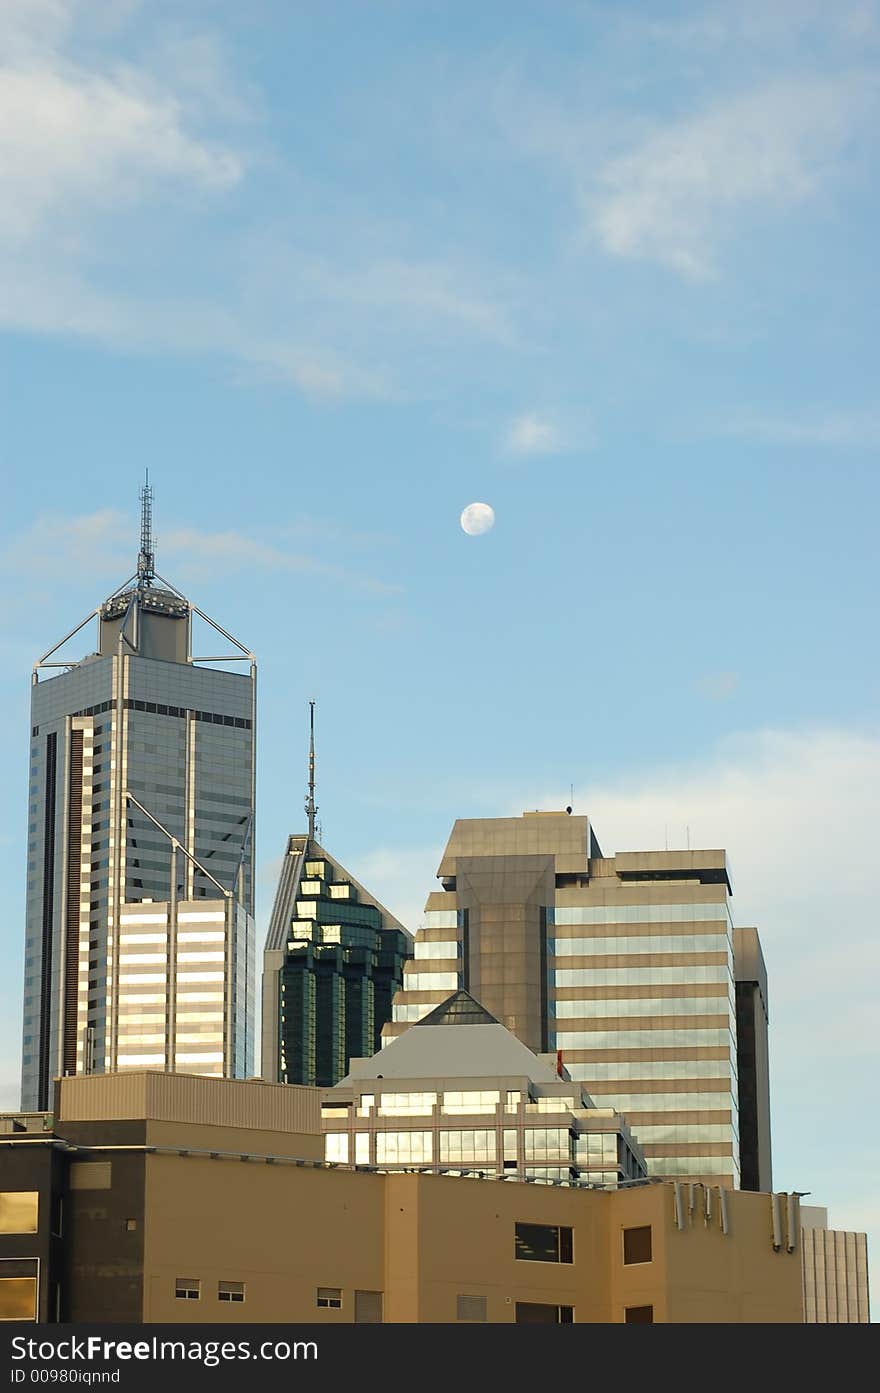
329, 1298
18, 1211
368, 1307
534, 1313
543, 1243
638, 1315
187, 1289
637, 1245
18, 1298
230, 1291
471, 1308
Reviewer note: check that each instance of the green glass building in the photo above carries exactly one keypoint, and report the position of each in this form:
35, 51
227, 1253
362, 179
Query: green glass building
333, 961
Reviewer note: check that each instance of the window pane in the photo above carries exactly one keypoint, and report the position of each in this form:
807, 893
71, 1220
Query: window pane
18, 1298
543, 1243
639, 1315
637, 1244
18, 1211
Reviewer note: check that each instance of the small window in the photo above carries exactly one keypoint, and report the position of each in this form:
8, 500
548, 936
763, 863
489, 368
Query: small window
187, 1288
18, 1298
329, 1297
637, 1245
230, 1291
638, 1315
18, 1211
368, 1307
471, 1308
534, 1313
543, 1243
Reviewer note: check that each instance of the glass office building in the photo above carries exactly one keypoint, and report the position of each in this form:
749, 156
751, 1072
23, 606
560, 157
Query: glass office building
460, 1095
334, 959
139, 931
625, 965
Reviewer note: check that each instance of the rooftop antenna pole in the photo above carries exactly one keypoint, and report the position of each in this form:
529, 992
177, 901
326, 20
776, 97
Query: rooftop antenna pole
145, 567
311, 805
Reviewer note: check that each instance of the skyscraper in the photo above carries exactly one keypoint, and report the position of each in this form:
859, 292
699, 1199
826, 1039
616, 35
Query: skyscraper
333, 961
139, 937
625, 964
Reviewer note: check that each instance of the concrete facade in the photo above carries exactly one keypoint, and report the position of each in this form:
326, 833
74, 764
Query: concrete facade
221, 1221
624, 964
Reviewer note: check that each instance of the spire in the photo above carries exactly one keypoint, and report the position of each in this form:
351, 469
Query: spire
145, 570
311, 805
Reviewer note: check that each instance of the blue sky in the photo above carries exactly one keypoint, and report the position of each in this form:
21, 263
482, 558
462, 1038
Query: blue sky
334, 271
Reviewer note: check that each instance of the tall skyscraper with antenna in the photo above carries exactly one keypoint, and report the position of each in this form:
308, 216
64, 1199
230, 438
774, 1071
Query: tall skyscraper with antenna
333, 960
140, 937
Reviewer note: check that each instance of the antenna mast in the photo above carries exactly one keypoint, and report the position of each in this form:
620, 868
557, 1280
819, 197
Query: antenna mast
311, 805
145, 569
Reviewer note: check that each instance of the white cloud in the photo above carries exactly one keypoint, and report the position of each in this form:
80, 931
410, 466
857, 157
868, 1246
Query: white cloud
672, 199
532, 434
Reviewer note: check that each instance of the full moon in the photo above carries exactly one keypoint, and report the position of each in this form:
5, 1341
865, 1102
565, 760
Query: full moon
477, 518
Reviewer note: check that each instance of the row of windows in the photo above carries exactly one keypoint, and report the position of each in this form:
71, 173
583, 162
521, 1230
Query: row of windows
655, 1006
645, 1069
436, 948
621, 1039
190, 1289
161, 709
664, 1102
638, 975
639, 943
637, 914
430, 981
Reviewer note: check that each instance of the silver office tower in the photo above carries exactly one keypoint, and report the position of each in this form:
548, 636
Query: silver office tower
140, 935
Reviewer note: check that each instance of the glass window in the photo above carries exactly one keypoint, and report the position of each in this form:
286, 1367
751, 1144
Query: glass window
436, 948
429, 981
187, 1288
19, 1211
18, 1298
362, 1148
406, 1104
230, 1291
535, 1313
473, 1101
638, 914
329, 1298
638, 1315
514, 1098
336, 1147
542, 1243
637, 1245
472, 1147
403, 1148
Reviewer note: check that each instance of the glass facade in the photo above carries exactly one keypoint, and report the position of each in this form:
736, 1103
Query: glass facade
341, 967
179, 738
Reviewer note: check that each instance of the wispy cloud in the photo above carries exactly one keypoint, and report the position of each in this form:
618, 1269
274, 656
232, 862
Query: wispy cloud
673, 198
532, 434
718, 686
94, 150
856, 429
98, 548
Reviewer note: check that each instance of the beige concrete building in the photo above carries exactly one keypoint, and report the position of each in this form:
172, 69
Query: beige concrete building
835, 1267
168, 1198
624, 964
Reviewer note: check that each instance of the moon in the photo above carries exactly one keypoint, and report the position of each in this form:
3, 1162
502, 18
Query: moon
477, 518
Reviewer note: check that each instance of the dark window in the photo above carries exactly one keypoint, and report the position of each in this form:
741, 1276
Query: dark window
533, 1313
187, 1288
329, 1297
638, 1315
637, 1245
543, 1243
230, 1291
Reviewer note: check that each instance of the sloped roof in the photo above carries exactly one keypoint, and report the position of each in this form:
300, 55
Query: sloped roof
486, 1049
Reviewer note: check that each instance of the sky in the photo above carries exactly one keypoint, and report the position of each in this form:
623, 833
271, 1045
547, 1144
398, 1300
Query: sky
332, 272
